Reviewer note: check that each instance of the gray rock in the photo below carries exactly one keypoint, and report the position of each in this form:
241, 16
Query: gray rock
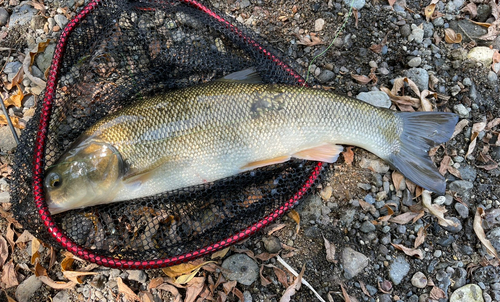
367, 227
244, 3
417, 34
462, 210
385, 298
319, 24
494, 237
29, 102
438, 22
27, 288
37, 22
7, 141
415, 62
4, 197
353, 262
241, 268
451, 228
62, 296
272, 244
468, 29
461, 186
36, 72
310, 209
44, 59
398, 269
492, 77
483, 12
12, 67
419, 280
405, 30
365, 187
375, 165
428, 29
348, 217
357, 4
326, 75
4, 16
247, 296
137, 275
467, 172
21, 15
469, 293
61, 20
460, 277
467, 82
419, 76
487, 274
461, 111
376, 98
481, 54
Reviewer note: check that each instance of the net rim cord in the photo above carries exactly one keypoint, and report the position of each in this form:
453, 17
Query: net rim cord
41, 136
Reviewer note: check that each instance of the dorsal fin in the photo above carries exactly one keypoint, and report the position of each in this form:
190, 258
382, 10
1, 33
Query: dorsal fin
247, 76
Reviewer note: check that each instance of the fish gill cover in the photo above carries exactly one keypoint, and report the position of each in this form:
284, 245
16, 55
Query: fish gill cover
112, 54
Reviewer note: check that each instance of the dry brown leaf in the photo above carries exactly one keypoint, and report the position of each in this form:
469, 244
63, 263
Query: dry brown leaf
293, 288
478, 229
220, 254
184, 268
363, 288
470, 8
18, 78
228, 286
172, 289
495, 9
56, 284
450, 36
424, 102
40, 270
265, 256
403, 218
188, 277
348, 155
476, 128
436, 210
420, 237
397, 180
155, 282
9, 275
493, 123
146, 296
15, 99
493, 31
281, 275
429, 11
409, 251
35, 245
344, 293
9, 299
75, 275
330, 251
437, 293
194, 288
459, 127
444, 165
274, 228
248, 252
312, 40
10, 236
376, 48
263, 280
126, 291
14, 119
362, 79
4, 251
296, 217
28, 61
391, 3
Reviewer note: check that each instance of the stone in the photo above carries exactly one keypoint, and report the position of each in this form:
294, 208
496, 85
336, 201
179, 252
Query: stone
61, 20
4, 197
492, 77
398, 269
468, 29
419, 280
367, 227
460, 278
453, 228
405, 30
415, 62
376, 98
481, 54
272, 244
462, 210
4, 16
417, 34
376, 165
37, 22
137, 275
44, 59
483, 12
7, 141
469, 293
353, 262
494, 237
326, 76
12, 67
21, 15
461, 186
357, 4
62, 296
27, 288
244, 4
461, 111
419, 76
319, 24
241, 269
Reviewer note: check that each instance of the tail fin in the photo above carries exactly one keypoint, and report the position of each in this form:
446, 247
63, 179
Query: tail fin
421, 131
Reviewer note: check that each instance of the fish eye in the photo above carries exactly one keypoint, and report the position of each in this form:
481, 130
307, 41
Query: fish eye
55, 181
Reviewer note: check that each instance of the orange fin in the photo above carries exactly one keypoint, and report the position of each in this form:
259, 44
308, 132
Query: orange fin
265, 162
326, 153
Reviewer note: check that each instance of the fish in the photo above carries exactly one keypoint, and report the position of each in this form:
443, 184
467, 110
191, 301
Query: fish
214, 130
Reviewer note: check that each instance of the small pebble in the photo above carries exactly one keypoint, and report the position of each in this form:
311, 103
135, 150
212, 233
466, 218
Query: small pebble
241, 268
461, 111
376, 98
398, 269
319, 24
367, 227
415, 62
353, 262
469, 293
462, 210
272, 244
492, 77
419, 280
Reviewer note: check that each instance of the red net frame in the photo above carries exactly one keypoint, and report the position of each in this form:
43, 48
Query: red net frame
38, 164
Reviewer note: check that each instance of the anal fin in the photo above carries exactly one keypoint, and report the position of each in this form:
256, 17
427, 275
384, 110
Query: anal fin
265, 162
328, 153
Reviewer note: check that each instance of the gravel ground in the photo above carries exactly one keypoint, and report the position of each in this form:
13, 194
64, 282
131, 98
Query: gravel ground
357, 208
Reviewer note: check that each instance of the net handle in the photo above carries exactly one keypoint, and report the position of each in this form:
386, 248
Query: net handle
38, 159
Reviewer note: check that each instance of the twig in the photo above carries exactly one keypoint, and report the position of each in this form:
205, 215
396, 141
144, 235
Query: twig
294, 272
7, 117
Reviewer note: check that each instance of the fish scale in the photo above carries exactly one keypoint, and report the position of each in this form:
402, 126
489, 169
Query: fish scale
215, 130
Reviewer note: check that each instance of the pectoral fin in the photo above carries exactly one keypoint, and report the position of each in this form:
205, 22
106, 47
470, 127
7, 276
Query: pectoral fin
326, 153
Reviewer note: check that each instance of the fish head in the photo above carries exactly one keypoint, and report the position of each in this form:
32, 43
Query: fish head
87, 174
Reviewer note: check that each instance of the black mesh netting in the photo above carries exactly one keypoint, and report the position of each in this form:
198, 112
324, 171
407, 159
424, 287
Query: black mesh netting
122, 51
